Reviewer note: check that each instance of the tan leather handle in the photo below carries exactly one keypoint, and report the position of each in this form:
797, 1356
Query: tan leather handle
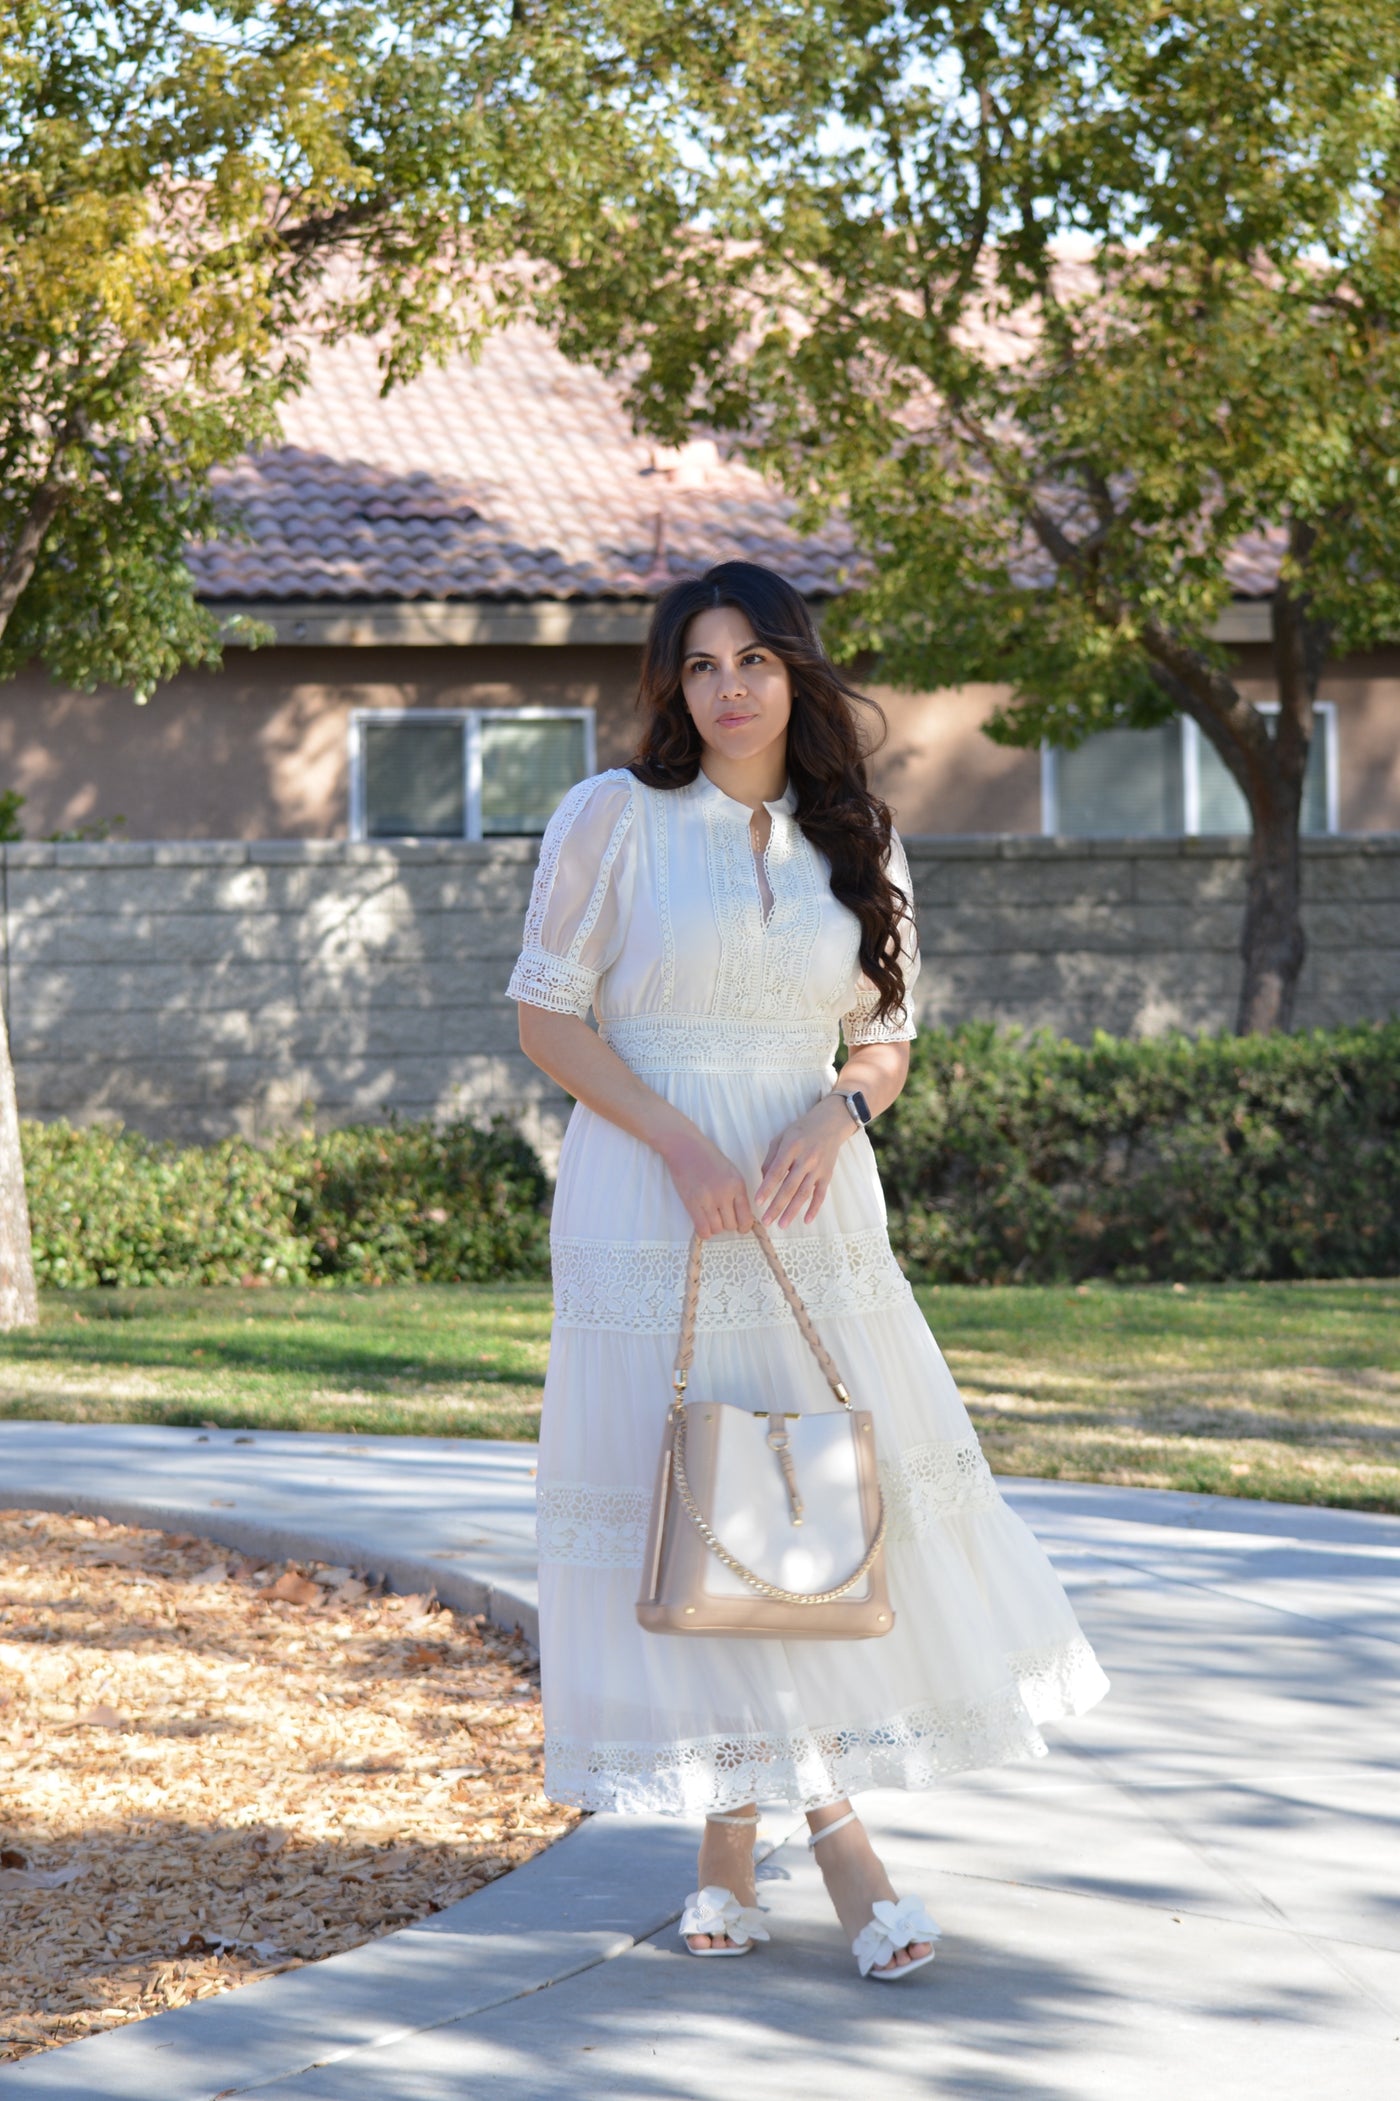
685, 1355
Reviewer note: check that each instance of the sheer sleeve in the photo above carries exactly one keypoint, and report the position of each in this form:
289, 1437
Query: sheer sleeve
577, 917
859, 1025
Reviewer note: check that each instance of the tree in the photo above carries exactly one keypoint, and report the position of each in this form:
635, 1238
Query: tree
1065, 301
188, 198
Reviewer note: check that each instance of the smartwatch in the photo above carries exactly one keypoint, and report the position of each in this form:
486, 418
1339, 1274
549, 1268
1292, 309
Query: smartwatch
857, 1104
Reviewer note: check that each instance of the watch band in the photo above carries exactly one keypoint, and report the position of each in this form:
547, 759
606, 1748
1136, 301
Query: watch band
857, 1104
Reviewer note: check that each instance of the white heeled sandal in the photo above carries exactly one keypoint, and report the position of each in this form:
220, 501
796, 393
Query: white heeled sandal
896, 1923
718, 1911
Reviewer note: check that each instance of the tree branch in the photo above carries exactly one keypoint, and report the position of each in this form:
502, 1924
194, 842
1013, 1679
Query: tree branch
19, 567
1197, 687
44, 508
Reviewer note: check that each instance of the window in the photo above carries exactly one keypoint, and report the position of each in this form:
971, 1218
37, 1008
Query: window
463, 773
1122, 784
1161, 783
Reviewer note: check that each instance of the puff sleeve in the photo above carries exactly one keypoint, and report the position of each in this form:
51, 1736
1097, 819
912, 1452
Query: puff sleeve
578, 906
858, 1025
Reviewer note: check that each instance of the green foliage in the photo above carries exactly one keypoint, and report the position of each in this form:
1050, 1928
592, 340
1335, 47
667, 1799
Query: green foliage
12, 830
1028, 1159
1060, 303
371, 1204
189, 198
442, 1206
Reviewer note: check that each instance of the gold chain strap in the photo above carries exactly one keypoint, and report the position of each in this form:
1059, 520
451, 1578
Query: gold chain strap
732, 1561
685, 1356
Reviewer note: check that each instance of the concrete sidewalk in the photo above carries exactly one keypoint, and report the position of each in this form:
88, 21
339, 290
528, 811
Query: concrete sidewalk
1197, 1896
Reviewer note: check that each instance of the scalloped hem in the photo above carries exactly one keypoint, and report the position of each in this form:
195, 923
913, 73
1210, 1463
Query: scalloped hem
914, 1750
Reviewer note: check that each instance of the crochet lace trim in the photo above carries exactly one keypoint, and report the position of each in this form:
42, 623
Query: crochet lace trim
542, 980
858, 1026
796, 880
927, 1482
580, 1526
635, 1287
697, 1043
661, 858
738, 985
912, 1749
564, 984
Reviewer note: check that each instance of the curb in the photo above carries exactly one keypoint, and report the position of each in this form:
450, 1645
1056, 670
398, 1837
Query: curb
404, 1573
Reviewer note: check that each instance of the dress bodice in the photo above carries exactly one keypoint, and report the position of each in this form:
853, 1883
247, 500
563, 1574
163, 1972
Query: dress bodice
647, 907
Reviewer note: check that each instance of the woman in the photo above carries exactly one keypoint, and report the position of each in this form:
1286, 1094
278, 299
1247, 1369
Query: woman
724, 904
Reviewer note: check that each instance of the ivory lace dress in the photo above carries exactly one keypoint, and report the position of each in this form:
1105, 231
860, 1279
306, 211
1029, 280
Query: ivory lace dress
647, 908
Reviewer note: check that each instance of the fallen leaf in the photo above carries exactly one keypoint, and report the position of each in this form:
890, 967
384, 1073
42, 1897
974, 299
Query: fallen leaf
10, 1857
297, 1590
278, 1826
39, 1878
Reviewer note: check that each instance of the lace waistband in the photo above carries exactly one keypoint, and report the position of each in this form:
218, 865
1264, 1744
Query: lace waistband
698, 1043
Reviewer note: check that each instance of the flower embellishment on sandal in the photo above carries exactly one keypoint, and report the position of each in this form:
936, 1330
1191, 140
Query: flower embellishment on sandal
718, 1911
896, 1925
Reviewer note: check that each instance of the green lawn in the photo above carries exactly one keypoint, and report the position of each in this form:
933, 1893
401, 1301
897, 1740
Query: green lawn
1284, 1390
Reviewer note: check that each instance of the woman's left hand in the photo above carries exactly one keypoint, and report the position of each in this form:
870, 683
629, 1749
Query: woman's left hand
798, 1166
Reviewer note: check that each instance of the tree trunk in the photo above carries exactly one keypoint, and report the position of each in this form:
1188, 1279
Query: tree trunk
19, 1302
29, 540
1272, 943
1269, 772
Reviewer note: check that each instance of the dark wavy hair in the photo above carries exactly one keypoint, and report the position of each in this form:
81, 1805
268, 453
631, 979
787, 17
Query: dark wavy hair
836, 807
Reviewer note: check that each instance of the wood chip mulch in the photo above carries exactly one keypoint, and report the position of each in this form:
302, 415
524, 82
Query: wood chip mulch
213, 1768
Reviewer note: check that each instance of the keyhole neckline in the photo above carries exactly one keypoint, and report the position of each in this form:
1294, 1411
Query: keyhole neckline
783, 805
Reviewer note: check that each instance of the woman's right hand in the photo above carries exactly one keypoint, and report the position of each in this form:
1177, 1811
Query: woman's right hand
709, 1185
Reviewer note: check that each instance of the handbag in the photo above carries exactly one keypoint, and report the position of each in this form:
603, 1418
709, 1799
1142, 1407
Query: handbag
763, 1522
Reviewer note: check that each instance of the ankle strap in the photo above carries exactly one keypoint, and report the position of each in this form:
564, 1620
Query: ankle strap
815, 1838
711, 1818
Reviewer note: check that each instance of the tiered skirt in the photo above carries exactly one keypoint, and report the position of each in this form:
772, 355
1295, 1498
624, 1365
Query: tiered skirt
986, 1647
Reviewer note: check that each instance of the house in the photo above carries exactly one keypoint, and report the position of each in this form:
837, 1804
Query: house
458, 577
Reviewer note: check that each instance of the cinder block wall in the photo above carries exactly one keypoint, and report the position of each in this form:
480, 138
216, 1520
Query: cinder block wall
196, 989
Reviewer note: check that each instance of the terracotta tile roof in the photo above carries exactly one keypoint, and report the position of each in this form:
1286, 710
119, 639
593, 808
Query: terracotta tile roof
515, 477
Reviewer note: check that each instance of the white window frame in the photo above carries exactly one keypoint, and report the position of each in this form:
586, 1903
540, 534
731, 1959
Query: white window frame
470, 721
1326, 728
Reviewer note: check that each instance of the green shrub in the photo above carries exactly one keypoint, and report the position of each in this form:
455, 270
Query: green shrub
1024, 1158
371, 1204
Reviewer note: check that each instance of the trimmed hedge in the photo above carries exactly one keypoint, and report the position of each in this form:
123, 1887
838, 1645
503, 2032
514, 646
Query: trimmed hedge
1014, 1158
369, 1204
1008, 1159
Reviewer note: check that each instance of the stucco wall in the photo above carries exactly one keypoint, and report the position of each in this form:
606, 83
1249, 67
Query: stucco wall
259, 749
196, 989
